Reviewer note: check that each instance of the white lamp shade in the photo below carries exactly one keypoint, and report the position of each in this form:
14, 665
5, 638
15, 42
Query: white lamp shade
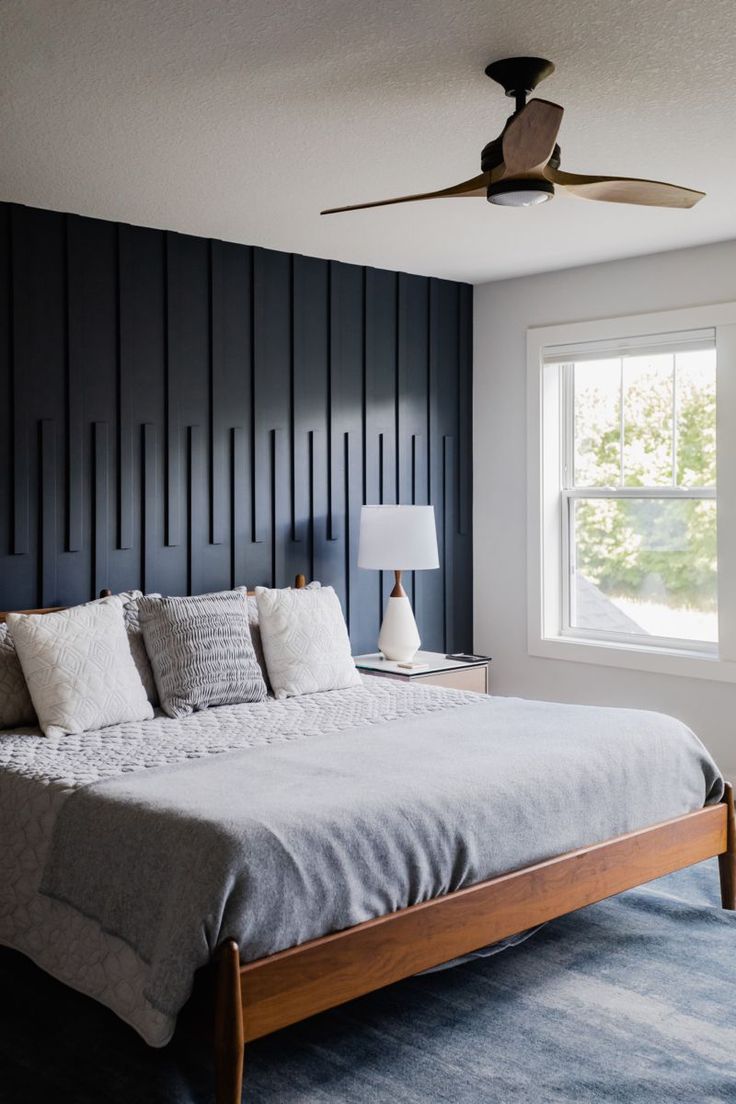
398, 538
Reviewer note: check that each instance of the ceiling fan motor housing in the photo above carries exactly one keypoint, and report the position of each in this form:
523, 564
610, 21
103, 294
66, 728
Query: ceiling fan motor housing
520, 193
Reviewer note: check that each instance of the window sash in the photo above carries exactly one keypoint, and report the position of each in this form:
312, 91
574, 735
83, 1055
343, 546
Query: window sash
567, 447
569, 568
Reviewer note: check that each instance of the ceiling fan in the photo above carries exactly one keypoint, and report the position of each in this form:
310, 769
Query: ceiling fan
521, 167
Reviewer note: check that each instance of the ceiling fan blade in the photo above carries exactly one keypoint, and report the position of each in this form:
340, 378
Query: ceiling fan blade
529, 139
624, 189
475, 187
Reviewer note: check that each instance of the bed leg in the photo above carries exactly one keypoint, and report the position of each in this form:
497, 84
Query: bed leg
727, 861
229, 1038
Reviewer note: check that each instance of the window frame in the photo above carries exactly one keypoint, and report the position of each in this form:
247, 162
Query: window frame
549, 499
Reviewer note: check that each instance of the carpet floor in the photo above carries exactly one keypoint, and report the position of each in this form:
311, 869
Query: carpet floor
632, 1000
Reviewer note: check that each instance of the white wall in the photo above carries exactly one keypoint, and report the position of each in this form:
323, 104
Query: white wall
503, 311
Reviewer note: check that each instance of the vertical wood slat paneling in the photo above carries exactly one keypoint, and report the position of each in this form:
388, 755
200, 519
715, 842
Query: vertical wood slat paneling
430, 584
464, 501
172, 445
349, 542
321, 552
271, 370
6, 379
150, 504
143, 347
347, 367
239, 513
100, 508
17, 292
196, 522
218, 484
47, 483
209, 413
280, 521
233, 404
124, 428
310, 382
74, 502
447, 541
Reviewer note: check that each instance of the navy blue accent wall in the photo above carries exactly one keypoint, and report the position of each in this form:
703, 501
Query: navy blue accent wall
183, 415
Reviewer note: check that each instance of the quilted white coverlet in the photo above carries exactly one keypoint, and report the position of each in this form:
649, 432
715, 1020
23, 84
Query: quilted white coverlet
658, 769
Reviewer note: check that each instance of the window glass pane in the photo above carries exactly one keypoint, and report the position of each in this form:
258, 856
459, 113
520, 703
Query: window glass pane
597, 422
648, 420
696, 418
645, 566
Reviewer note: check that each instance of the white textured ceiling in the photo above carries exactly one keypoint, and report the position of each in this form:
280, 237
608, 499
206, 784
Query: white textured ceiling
240, 120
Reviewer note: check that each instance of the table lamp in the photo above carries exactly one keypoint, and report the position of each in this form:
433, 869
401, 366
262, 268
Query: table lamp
398, 538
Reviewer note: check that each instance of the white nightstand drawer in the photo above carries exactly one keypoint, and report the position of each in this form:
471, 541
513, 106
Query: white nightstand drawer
471, 678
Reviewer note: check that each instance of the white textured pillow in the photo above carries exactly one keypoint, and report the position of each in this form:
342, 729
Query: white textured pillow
305, 641
78, 667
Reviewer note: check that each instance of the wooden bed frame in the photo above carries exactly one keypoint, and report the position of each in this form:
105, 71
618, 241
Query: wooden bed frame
253, 999
256, 998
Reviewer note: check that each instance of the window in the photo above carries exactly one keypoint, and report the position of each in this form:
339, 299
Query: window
638, 492
626, 492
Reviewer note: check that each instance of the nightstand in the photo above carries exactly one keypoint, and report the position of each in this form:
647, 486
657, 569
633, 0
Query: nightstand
439, 671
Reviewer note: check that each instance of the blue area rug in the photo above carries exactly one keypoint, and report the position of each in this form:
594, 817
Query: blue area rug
632, 1000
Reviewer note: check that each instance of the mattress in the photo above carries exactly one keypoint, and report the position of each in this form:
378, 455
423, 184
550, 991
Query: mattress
277, 822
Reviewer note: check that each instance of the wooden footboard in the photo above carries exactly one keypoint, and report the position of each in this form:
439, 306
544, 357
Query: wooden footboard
259, 997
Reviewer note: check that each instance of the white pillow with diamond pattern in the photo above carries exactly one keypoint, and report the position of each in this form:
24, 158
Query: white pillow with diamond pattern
78, 667
305, 641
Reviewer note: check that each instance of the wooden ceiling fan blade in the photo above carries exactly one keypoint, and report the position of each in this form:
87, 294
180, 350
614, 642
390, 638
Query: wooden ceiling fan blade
529, 139
625, 189
477, 186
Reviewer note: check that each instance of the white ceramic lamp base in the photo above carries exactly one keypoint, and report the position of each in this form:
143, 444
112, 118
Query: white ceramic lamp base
399, 637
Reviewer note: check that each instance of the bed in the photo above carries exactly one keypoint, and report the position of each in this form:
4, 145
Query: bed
316, 849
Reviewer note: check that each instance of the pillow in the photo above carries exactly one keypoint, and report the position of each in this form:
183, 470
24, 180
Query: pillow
16, 707
201, 651
305, 641
130, 598
255, 635
255, 629
78, 667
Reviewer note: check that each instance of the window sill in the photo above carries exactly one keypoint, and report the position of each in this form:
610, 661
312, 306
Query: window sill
628, 656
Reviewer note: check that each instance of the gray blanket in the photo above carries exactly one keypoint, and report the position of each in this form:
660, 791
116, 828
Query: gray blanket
280, 844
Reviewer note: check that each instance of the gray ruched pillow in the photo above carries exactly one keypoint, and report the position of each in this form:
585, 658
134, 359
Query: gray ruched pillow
201, 651
16, 707
130, 600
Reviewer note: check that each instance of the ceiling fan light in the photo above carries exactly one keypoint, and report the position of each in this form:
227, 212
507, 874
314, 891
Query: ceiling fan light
520, 193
